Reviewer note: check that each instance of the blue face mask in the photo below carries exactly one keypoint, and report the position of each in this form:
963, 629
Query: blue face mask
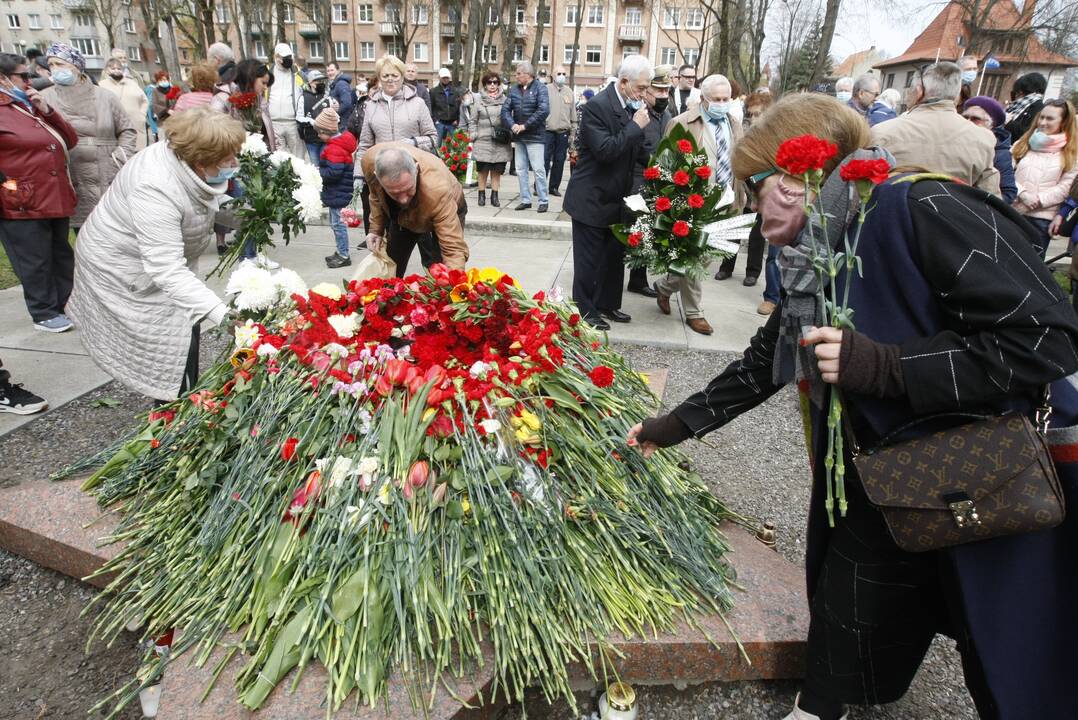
63, 76
223, 175
18, 94
843, 96
633, 105
715, 110
1038, 140
969, 76
164, 84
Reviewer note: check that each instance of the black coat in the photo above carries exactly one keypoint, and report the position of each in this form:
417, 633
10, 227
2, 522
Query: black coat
445, 109
609, 145
1018, 126
653, 133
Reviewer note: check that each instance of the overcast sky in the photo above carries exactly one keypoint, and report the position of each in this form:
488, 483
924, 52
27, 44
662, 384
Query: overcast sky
891, 27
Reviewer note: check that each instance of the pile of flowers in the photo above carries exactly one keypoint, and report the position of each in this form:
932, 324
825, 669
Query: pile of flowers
278, 189
455, 150
675, 204
396, 474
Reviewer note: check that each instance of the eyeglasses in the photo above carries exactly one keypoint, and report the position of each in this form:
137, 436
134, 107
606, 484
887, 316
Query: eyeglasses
494, 82
25, 75
754, 182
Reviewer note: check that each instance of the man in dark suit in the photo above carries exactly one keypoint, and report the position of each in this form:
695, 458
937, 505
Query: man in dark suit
611, 135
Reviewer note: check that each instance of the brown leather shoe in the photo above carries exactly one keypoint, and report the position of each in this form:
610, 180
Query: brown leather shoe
766, 307
700, 325
663, 301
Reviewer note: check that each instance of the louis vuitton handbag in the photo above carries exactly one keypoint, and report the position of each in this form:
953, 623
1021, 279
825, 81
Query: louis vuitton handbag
990, 477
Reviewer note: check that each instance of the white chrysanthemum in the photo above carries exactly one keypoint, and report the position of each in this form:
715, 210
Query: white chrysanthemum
328, 290
246, 335
254, 145
277, 157
344, 325
308, 202
308, 174
253, 287
289, 282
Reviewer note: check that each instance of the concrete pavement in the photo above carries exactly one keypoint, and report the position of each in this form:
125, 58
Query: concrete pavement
533, 248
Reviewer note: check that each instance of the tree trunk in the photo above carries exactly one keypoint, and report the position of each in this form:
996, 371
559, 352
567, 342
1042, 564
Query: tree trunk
826, 36
279, 13
576, 41
539, 26
153, 21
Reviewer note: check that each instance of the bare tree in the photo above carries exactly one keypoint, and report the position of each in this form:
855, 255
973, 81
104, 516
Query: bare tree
402, 15
827, 35
543, 17
748, 34
106, 12
152, 17
712, 26
576, 42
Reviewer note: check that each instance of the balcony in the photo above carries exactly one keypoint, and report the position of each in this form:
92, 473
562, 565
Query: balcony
450, 31
522, 29
631, 33
77, 5
309, 30
387, 28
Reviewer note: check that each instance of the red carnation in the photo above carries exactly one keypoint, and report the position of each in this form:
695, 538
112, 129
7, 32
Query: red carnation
875, 171
696, 201
288, 450
801, 154
681, 228
601, 376
703, 172
662, 204
651, 173
684, 146
634, 239
681, 178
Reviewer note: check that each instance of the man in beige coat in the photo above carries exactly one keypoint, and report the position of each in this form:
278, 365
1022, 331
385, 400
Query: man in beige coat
933, 136
131, 96
717, 133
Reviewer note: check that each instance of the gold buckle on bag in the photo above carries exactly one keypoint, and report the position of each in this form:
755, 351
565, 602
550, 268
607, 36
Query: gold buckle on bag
965, 513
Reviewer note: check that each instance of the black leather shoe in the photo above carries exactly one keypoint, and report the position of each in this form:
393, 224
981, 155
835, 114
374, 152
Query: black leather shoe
750, 280
723, 275
555, 193
616, 316
337, 261
523, 206
597, 323
542, 208
482, 198
645, 291
494, 198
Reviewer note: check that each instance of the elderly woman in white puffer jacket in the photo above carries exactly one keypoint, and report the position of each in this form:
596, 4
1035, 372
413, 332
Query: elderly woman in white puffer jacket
137, 299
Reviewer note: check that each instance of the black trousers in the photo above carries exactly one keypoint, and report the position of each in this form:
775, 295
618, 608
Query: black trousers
598, 269
401, 242
43, 261
638, 278
876, 609
190, 369
557, 145
754, 263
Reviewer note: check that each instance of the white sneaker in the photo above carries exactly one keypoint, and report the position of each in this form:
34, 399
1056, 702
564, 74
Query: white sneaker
799, 714
264, 262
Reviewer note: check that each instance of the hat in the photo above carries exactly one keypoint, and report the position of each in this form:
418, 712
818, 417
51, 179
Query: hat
328, 121
444, 72
662, 76
314, 76
588, 94
990, 106
68, 54
283, 50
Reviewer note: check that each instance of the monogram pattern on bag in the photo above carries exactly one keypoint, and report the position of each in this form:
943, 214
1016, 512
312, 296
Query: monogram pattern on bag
1001, 464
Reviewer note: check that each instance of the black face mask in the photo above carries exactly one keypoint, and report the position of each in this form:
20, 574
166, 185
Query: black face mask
661, 105
117, 75
286, 63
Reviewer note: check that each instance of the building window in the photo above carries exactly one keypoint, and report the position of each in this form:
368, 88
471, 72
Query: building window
13, 22
340, 13
393, 14
671, 17
546, 16
694, 18
420, 52
518, 51
57, 22
366, 52
909, 77
494, 16
960, 41
668, 56
453, 13
35, 21
222, 15
634, 16
571, 14
340, 49
420, 15
129, 25
314, 49
260, 49
86, 46
393, 47
288, 17
691, 55
544, 53
629, 50
490, 53
521, 14
994, 86
593, 55
134, 53
890, 81
595, 15
365, 13
570, 53
453, 51
85, 20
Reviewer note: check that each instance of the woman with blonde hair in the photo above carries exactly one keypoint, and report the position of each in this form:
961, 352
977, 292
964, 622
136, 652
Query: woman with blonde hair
137, 298
1046, 165
948, 322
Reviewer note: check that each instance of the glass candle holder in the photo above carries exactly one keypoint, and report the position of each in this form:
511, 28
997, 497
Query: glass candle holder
618, 702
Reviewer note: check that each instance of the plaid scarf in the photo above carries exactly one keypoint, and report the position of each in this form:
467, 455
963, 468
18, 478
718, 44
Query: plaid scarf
1020, 105
801, 310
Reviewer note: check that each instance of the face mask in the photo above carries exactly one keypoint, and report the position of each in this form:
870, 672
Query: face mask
1038, 140
716, 110
969, 76
164, 84
560, 79
661, 105
783, 214
117, 75
223, 175
286, 63
633, 105
18, 94
843, 96
63, 76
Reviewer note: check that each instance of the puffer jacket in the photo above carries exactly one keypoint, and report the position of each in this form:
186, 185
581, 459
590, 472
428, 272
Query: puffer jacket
1008, 188
340, 89
879, 112
403, 117
528, 107
33, 160
106, 140
136, 294
487, 115
336, 166
1042, 174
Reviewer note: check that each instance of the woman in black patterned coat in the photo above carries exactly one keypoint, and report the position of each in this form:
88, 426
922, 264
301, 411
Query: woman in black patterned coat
954, 312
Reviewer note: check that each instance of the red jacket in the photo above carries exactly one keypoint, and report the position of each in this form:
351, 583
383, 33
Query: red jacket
33, 160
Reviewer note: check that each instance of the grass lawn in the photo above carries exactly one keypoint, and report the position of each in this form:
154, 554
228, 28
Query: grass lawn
7, 275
